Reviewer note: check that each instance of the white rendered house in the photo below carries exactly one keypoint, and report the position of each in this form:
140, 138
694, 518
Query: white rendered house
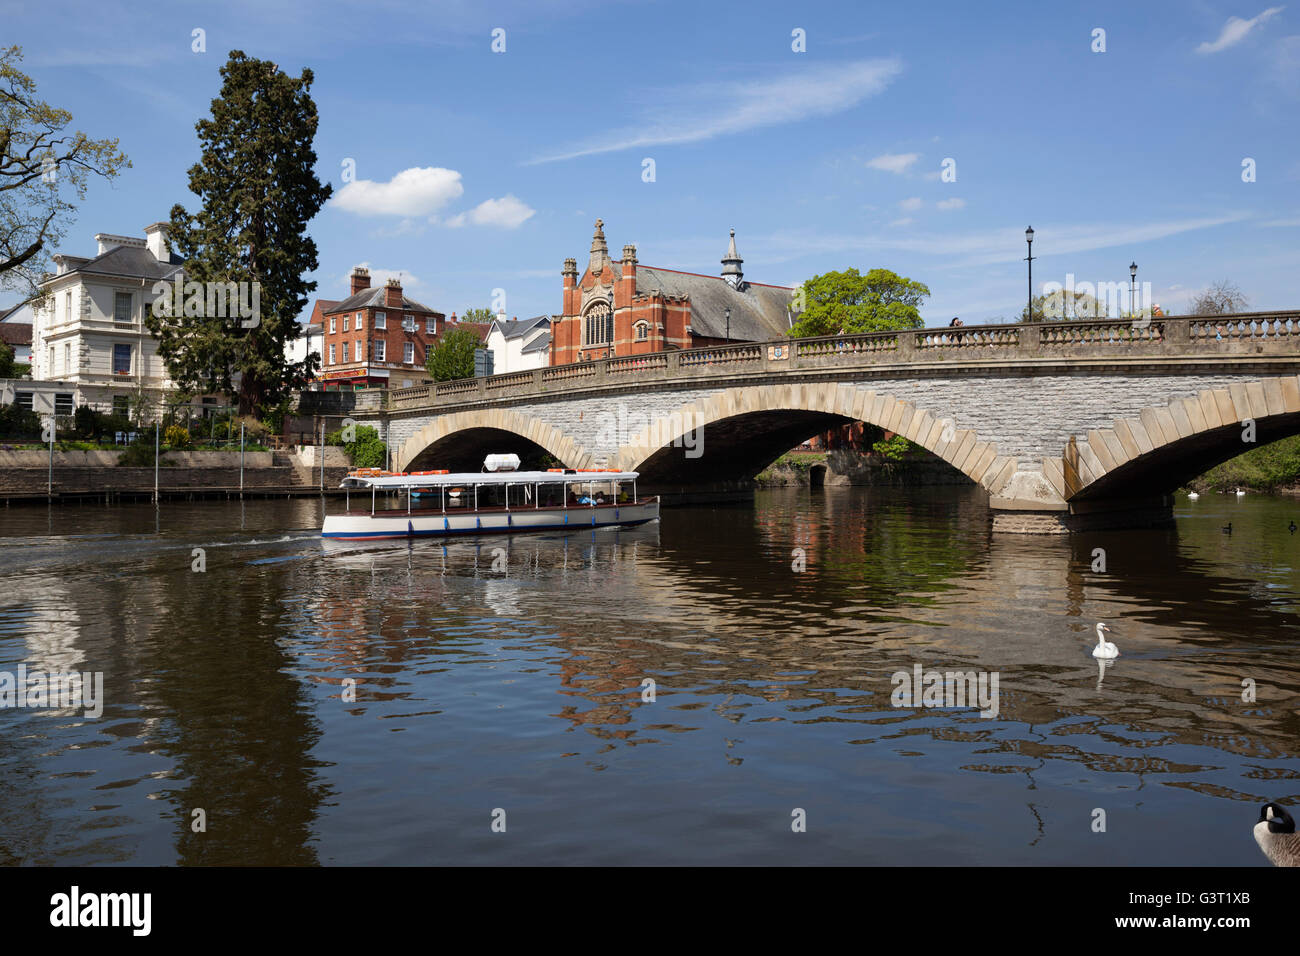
518, 345
90, 333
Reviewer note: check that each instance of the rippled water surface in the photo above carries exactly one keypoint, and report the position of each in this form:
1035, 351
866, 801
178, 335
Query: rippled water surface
512, 680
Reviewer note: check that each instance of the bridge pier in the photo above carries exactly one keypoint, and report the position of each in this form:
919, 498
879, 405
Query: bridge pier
1156, 511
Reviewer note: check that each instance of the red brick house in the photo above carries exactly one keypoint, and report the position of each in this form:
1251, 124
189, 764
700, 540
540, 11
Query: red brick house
625, 308
376, 337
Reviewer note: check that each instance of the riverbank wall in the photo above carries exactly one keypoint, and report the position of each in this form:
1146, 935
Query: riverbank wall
25, 476
844, 467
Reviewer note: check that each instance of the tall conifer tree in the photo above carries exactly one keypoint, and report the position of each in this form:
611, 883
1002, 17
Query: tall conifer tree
258, 188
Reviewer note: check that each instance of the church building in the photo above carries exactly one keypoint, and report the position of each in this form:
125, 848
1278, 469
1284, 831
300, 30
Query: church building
621, 307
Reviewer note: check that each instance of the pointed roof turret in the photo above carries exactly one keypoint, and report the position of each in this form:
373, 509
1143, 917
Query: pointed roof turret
599, 250
731, 262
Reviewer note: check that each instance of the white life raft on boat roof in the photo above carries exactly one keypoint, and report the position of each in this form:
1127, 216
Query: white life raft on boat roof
501, 463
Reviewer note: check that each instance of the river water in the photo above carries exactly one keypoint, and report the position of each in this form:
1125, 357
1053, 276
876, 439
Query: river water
501, 685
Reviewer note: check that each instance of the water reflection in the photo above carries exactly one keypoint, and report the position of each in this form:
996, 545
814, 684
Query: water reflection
513, 672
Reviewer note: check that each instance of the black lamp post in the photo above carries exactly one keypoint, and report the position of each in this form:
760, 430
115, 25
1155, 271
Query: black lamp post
1132, 288
728, 326
1029, 240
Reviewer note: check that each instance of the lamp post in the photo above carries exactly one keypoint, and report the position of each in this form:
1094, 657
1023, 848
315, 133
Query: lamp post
1029, 241
1132, 289
728, 326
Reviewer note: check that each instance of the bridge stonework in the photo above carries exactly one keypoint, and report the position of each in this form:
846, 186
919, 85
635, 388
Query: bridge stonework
1066, 425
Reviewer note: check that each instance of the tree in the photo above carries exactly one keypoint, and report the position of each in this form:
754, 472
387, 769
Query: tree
7, 363
477, 315
453, 357
848, 302
1065, 304
41, 166
258, 190
1222, 298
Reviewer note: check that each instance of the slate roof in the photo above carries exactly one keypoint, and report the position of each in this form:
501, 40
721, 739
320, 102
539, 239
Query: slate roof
516, 327
539, 344
374, 299
758, 312
131, 261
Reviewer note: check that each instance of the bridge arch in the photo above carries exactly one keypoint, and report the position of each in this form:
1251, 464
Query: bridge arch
753, 425
1165, 446
469, 434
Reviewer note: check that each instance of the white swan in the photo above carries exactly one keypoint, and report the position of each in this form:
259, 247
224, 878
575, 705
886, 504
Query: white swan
1192, 495
1104, 647
1240, 493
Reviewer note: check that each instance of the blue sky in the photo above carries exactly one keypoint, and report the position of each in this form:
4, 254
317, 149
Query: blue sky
477, 170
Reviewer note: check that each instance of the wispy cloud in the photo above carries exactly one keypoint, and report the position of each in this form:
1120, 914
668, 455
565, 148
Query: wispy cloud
702, 112
1236, 30
379, 276
897, 163
910, 204
975, 248
951, 204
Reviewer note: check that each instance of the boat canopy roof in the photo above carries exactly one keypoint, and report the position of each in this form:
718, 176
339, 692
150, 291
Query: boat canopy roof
374, 478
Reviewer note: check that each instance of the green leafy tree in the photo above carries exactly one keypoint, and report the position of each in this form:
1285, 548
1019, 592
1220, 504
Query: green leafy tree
366, 450
453, 357
258, 190
43, 166
893, 449
836, 303
477, 315
1065, 304
7, 363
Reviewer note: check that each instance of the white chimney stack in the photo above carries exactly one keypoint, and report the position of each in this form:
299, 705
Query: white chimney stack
156, 240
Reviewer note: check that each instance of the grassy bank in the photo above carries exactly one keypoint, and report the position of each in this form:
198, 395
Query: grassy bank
1267, 468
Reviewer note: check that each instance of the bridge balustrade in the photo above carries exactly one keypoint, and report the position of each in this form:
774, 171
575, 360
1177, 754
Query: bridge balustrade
1245, 333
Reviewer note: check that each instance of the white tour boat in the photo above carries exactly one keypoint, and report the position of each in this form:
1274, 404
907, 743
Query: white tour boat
497, 500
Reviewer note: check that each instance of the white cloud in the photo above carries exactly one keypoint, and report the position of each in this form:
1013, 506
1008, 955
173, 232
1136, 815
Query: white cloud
379, 276
976, 248
701, 112
911, 204
1235, 30
508, 212
419, 191
894, 162
951, 204
906, 221
1281, 223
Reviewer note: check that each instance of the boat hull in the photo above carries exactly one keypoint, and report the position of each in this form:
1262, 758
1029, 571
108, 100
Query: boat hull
421, 524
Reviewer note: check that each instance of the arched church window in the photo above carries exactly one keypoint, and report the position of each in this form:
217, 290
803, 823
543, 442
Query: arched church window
642, 331
598, 325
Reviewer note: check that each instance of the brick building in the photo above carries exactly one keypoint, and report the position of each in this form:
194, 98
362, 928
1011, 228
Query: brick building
376, 337
625, 308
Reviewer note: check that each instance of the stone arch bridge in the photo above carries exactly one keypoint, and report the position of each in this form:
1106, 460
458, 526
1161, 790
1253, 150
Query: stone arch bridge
1065, 424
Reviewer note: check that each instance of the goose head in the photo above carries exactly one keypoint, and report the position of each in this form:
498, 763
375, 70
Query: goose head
1278, 820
